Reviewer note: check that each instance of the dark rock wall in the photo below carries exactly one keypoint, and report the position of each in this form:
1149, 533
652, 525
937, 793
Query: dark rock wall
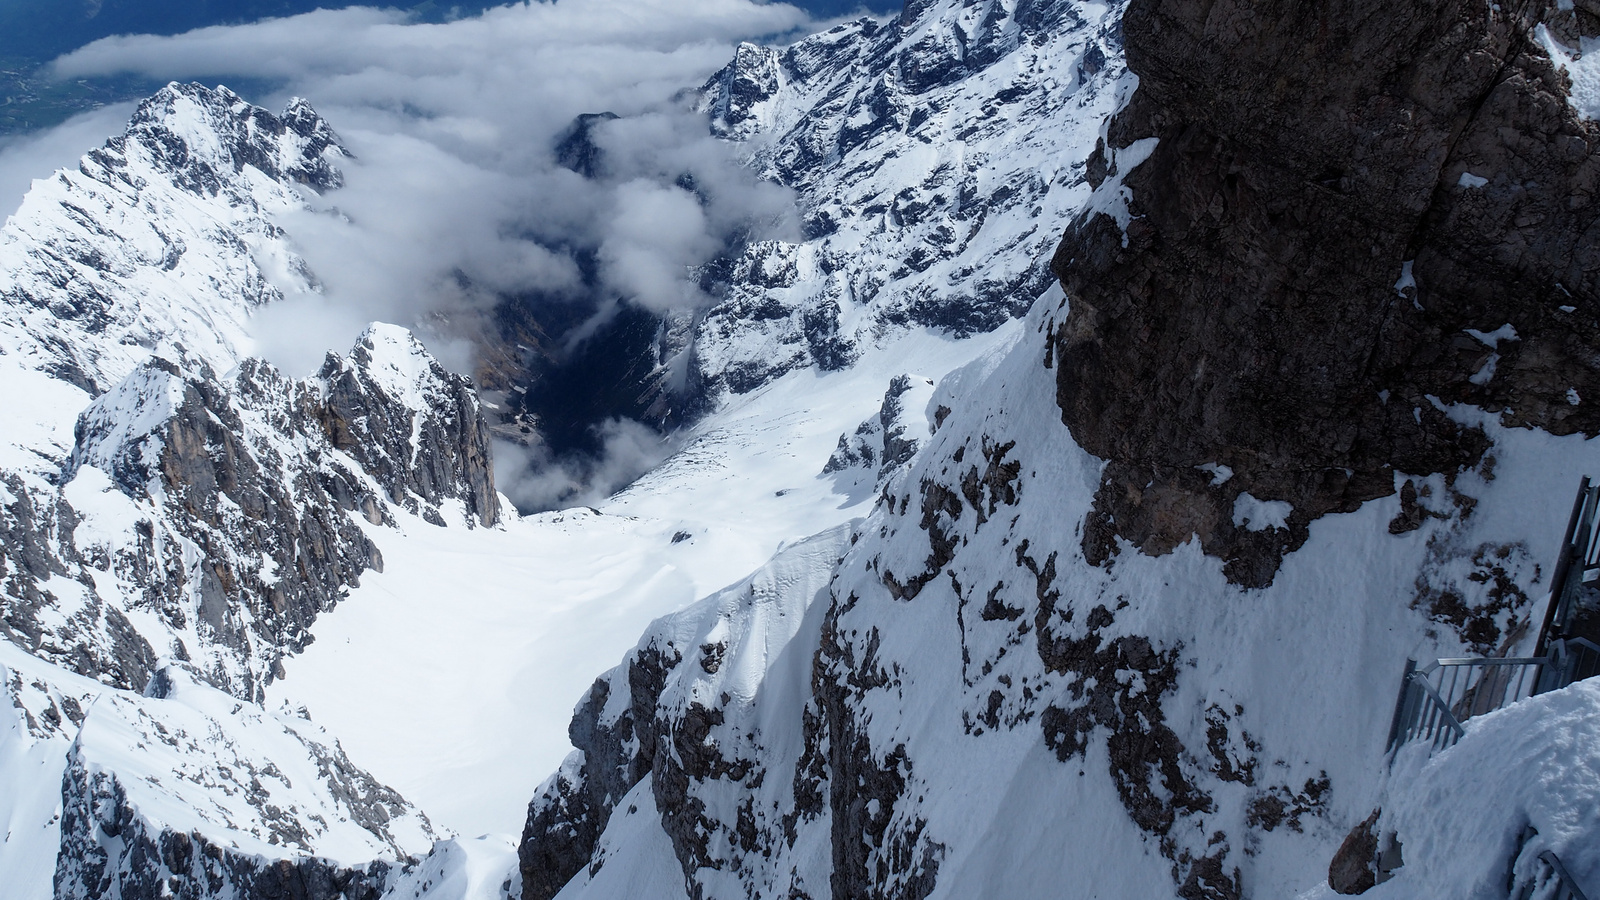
1256, 313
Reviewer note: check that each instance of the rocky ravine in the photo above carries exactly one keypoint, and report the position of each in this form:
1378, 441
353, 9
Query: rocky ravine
1351, 214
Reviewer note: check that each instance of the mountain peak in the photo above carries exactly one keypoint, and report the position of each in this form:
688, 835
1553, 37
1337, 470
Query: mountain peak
200, 128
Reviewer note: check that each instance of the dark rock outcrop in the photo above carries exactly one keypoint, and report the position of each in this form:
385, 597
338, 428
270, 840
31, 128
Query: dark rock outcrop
1354, 867
246, 487
1354, 213
572, 808
413, 426
161, 864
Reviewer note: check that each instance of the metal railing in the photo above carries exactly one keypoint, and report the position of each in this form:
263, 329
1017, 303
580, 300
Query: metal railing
1579, 557
1438, 698
1553, 883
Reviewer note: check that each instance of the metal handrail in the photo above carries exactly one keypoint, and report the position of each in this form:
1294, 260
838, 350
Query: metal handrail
1565, 884
1564, 878
1466, 687
1580, 546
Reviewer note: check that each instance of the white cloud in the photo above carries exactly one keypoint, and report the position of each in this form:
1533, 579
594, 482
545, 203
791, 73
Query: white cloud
27, 157
454, 195
537, 480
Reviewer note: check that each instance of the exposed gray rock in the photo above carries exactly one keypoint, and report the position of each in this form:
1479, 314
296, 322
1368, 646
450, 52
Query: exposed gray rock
36, 548
187, 793
244, 490
883, 444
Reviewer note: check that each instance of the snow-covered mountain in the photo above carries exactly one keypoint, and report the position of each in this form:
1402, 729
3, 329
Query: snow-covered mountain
1167, 669
177, 514
933, 157
937, 599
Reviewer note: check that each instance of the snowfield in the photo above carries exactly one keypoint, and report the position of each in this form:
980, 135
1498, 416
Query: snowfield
452, 674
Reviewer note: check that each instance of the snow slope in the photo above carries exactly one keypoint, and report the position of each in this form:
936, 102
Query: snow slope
989, 714
496, 633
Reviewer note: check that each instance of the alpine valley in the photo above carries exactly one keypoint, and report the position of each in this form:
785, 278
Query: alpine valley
1052, 514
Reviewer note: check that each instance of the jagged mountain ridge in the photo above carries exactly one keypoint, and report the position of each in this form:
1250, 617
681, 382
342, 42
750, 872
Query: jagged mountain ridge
177, 515
160, 237
804, 731
247, 480
241, 492
927, 153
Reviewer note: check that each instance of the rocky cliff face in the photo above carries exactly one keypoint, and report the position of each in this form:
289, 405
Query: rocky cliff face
176, 516
1341, 219
184, 513
158, 244
920, 151
225, 508
1334, 263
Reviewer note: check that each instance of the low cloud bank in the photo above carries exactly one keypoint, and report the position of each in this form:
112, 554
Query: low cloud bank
455, 198
537, 480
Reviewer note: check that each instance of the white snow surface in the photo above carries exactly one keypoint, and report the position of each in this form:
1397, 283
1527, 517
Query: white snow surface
635, 856
199, 760
41, 707
1010, 818
452, 674
1461, 815
1582, 65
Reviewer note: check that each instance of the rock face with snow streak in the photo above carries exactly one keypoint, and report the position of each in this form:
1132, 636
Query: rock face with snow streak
1305, 273
929, 155
996, 703
969, 707
226, 506
160, 243
682, 711
187, 793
